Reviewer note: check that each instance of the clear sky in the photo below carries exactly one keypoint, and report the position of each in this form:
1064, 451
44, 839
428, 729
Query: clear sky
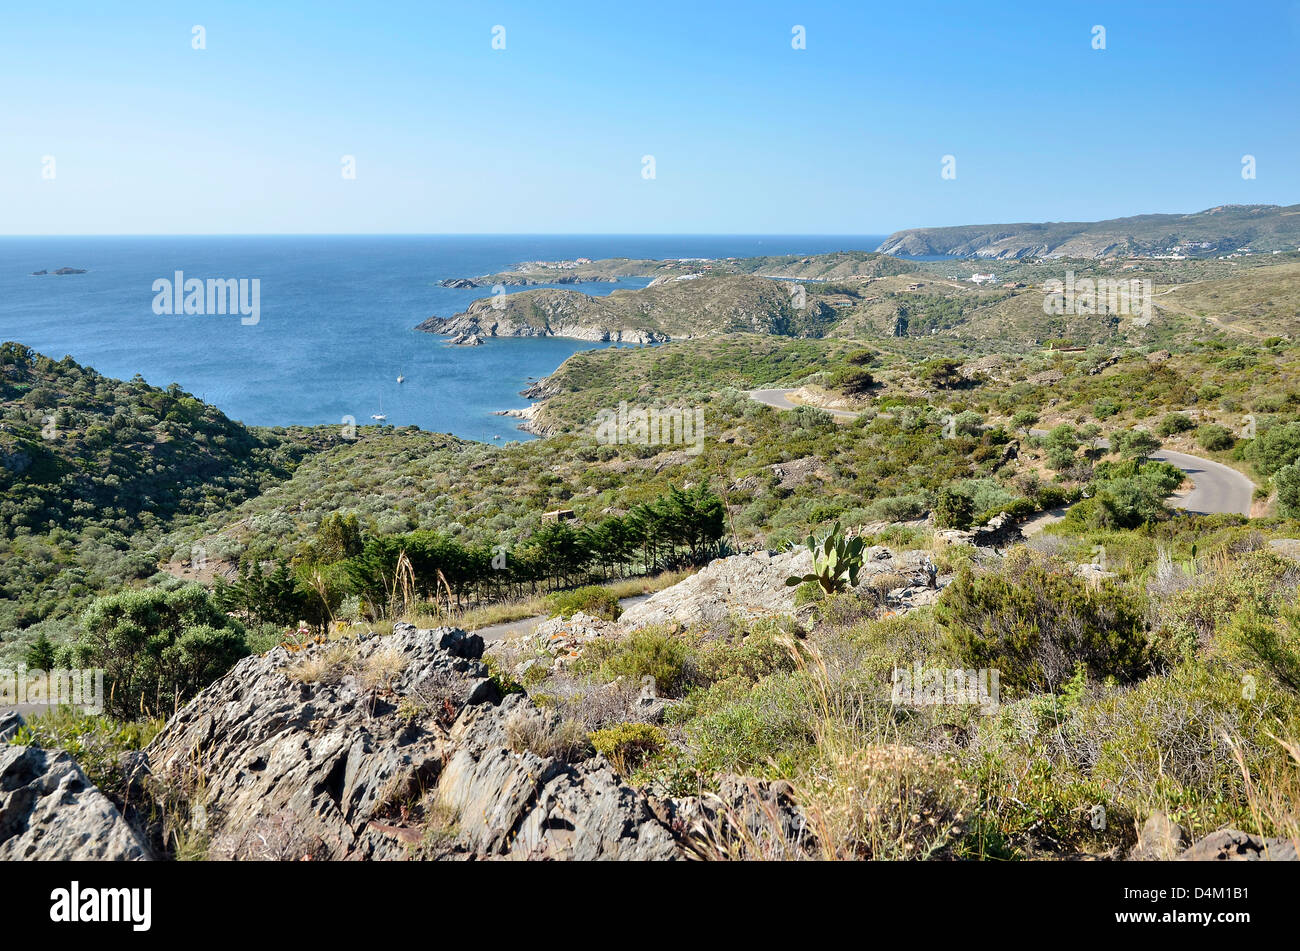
149, 135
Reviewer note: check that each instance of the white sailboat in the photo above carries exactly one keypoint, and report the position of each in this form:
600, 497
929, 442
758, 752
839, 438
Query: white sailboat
379, 417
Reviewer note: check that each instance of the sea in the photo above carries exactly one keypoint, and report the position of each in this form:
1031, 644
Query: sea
335, 318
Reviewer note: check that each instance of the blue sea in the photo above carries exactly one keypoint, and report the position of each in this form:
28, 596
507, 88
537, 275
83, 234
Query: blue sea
336, 323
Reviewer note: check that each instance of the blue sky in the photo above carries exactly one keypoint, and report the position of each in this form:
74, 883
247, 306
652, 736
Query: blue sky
149, 135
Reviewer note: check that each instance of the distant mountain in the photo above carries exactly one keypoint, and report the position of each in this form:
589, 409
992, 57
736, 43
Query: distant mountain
1222, 230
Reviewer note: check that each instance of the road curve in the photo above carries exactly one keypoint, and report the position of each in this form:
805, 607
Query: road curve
780, 399
1215, 487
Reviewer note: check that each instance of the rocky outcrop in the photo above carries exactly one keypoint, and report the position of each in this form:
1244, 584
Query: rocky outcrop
740, 588
1159, 839
656, 314
10, 721
1231, 845
49, 810
389, 748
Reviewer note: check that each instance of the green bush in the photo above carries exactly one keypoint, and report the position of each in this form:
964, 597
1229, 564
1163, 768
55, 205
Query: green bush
1215, 438
1287, 482
1173, 423
649, 652
629, 744
953, 509
591, 599
1035, 621
157, 646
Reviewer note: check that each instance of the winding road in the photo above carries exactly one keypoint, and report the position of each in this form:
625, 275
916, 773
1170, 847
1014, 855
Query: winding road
1215, 487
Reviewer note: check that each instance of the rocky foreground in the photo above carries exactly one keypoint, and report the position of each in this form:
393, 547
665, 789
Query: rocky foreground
406, 746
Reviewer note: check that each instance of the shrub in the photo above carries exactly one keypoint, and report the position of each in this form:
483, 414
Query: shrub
649, 652
888, 802
158, 646
1104, 408
1173, 742
1215, 438
628, 744
591, 599
1173, 423
953, 509
1287, 482
1275, 448
1035, 620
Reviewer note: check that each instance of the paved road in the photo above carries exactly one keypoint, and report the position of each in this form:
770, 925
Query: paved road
498, 632
1216, 487
780, 399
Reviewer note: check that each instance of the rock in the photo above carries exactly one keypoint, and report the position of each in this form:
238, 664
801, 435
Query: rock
743, 587
745, 819
1232, 845
10, 721
459, 283
392, 747
521, 805
1160, 839
50, 811
1093, 572
798, 471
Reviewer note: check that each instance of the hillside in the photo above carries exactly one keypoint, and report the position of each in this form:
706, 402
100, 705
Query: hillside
670, 308
1215, 231
94, 469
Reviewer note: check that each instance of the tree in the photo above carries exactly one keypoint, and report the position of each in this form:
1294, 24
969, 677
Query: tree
1287, 481
1134, 443
157, 646
953, 509
943, 372
40, 655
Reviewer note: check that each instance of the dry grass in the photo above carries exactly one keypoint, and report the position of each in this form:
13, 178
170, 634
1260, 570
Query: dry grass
546, 736
340, 659
503, 612
1274, 795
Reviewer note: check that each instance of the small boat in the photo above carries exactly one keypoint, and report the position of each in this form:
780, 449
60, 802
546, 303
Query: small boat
400, 378
496, 437
378, 416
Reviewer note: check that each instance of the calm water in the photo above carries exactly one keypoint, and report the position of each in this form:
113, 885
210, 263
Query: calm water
337, 318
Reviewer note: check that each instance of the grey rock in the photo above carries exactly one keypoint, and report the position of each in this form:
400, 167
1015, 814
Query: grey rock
1160, 839
345, 766
742, 587
1232, 845
520, 805
50, 811
10, 721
